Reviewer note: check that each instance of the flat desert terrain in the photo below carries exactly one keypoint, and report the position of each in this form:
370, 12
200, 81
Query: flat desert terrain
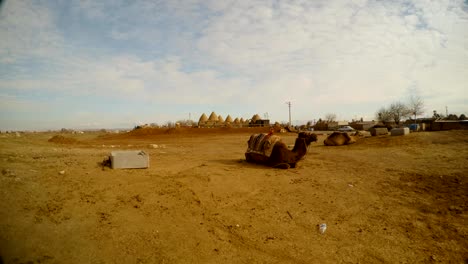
400, 199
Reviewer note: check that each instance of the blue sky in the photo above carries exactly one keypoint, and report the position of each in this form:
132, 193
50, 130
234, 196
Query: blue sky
108, 64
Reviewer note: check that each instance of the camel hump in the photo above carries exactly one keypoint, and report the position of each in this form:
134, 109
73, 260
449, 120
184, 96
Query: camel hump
338, 139
262, 144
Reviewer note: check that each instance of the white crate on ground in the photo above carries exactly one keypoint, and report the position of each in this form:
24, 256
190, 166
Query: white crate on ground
129, 159
400, 131
378, 131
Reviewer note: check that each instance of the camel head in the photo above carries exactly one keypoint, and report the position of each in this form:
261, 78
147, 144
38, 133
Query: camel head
308, 137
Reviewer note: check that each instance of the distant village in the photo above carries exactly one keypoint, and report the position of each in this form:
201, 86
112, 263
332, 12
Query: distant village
435, 123
421, 124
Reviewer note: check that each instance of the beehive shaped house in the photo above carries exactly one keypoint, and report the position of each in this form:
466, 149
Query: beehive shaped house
213, 117
255, 118
203, 118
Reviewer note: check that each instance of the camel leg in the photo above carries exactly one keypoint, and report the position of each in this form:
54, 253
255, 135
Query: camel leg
248, 158
284, 166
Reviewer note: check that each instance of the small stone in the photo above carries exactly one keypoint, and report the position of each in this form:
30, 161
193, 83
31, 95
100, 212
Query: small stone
8, 173
62, 172
456, 209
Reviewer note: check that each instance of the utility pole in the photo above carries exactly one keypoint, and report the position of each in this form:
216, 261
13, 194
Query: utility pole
446, 111
289, 105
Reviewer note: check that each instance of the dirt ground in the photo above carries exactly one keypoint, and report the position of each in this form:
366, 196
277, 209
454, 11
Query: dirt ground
400, 199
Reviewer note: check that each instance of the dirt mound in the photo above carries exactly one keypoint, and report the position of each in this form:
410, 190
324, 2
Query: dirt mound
62, 140
183, 131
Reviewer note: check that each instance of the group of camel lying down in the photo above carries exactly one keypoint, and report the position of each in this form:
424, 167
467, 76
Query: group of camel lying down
268, 149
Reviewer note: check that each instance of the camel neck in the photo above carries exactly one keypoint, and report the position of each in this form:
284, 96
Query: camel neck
300, 147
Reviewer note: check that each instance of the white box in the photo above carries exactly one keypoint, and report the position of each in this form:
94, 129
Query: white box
129, 159
378, 131
400, 131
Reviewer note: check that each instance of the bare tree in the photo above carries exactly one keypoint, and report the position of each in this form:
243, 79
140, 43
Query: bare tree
415, 105
330, 117
383, 115
398, 111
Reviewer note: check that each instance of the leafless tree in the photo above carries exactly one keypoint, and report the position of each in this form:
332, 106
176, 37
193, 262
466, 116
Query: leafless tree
383, 115
398, 111
415, 105
330, 117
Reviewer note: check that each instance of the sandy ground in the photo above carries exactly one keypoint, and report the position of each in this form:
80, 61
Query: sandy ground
384, 199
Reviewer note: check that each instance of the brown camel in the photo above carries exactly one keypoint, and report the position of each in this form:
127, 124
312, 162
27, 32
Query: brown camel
269, 150
339, 139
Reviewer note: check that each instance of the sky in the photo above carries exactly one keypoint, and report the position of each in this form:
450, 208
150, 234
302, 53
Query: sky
117, 64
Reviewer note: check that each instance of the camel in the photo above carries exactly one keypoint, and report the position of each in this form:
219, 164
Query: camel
339, 139
269, 150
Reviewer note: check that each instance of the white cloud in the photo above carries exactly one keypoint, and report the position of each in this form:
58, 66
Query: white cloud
27, 30
324, 56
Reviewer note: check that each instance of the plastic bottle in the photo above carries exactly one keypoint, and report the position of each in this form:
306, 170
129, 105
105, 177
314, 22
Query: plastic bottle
322, 228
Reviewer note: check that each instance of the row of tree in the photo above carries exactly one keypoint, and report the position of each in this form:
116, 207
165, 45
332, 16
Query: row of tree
397, 111
449, 117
